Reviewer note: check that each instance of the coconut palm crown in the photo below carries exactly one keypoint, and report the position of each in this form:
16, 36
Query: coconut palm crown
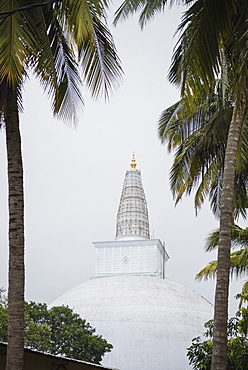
198, 137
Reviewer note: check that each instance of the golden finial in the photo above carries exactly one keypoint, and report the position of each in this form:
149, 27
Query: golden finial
133, 163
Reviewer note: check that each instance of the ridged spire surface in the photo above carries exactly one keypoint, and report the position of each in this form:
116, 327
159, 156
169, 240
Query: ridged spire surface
132, 216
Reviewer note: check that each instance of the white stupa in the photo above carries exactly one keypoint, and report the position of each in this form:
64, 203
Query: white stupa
149, 320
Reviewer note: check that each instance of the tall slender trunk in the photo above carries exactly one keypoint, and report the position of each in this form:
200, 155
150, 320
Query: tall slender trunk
219, 356
16, 235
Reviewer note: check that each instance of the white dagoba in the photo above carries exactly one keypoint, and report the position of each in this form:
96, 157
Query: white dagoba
149, 320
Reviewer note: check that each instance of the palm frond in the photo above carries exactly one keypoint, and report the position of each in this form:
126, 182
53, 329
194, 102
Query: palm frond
78, 17
198, 156
147, 9
13, 30
85, 23
207, 272
238, 45
101, 65
212, 240
243, 295
239, 238
52, 60
177, 122
197, 58
66, 91
238, 261
210, 185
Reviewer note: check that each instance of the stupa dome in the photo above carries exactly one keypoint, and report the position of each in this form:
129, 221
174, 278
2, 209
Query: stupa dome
149, 320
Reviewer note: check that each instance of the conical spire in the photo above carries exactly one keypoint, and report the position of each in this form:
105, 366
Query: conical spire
132, 217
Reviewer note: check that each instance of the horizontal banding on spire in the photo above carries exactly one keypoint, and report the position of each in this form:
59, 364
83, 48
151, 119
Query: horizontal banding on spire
132, 216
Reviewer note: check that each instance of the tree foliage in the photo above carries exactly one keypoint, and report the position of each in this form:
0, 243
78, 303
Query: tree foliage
200, 352
238, 258
197, 131
3, 316
58, 331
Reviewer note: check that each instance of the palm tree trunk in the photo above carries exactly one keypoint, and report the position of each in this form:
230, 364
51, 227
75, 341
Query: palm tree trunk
16, 235
219, 355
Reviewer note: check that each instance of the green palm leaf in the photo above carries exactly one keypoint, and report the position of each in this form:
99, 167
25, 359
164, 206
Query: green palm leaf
85, 21
100, 62
238, 259
239, 265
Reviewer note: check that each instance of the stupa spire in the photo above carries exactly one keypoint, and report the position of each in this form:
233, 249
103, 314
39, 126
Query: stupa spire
132, 217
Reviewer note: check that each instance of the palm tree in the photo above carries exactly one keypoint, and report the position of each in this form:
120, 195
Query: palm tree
206, 49
199, 136
238, 259
45, 39
207, 29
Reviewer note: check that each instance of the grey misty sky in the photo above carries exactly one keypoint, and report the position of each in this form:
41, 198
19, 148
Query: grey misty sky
73, 178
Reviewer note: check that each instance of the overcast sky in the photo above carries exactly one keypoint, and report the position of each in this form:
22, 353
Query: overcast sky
73, 178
